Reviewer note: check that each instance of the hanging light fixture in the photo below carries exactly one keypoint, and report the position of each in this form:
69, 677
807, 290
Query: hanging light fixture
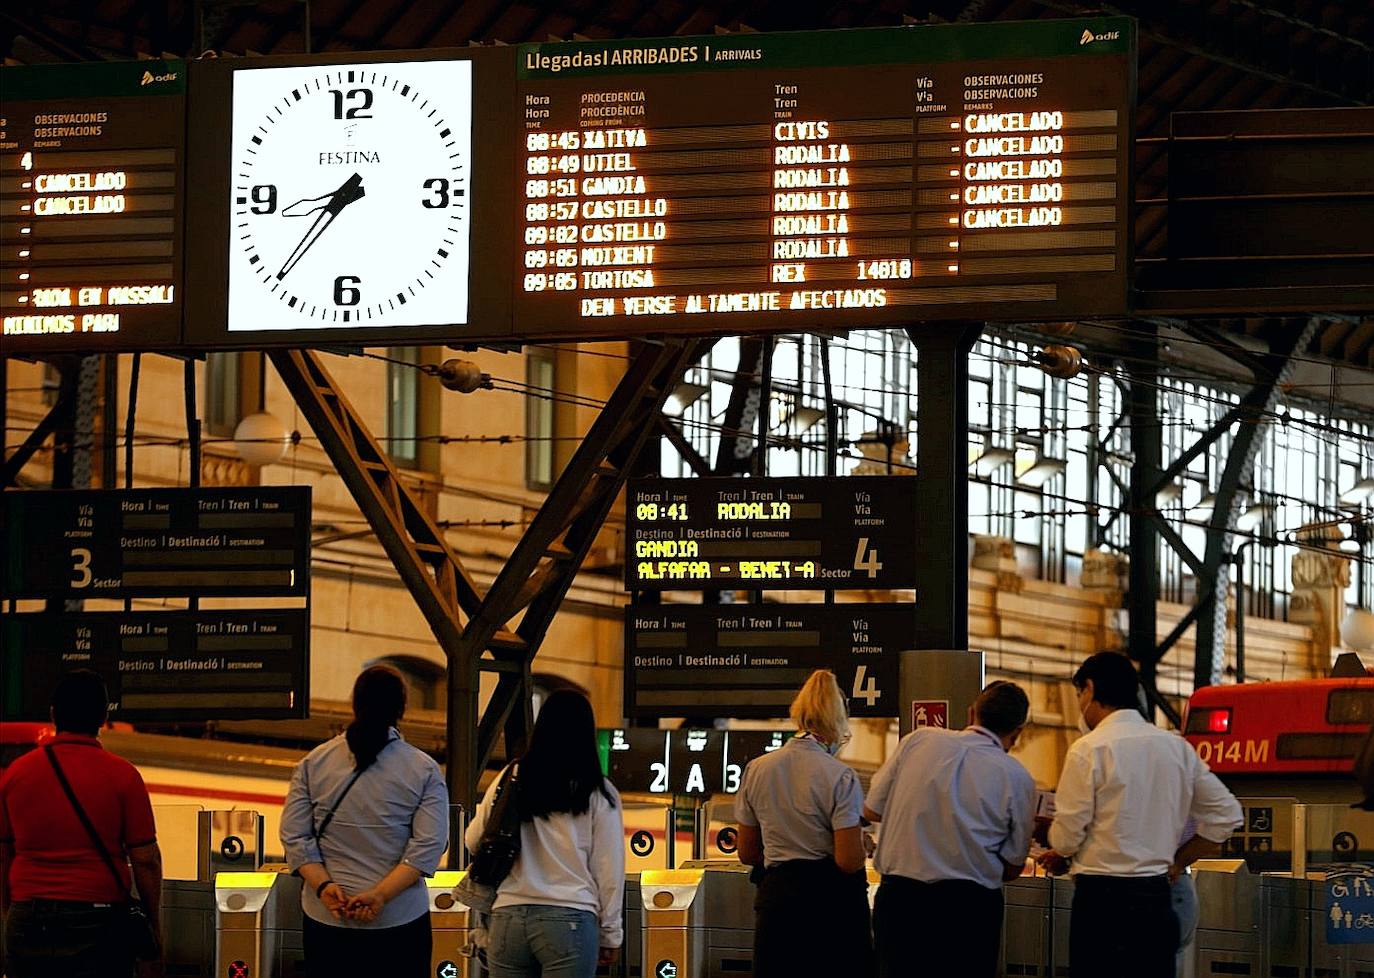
991, 459
684, 395
803, 418
1041, 471
1202, 509
1358, 494
1169, 495
1253, 518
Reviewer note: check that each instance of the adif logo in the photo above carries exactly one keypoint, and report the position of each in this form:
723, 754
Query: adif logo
1088, 37
149, 78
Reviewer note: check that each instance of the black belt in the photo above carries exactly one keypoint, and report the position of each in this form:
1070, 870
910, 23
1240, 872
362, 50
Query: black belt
59, 906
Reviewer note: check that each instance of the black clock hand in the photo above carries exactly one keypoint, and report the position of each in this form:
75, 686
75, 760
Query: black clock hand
349, 191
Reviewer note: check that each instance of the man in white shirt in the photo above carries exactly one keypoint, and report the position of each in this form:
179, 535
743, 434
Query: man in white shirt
957, 816
1127, 791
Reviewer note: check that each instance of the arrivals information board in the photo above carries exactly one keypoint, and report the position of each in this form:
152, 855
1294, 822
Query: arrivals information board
92, 159
759, 181
121, 543
578, 190
175, 666
749, 660
787, 534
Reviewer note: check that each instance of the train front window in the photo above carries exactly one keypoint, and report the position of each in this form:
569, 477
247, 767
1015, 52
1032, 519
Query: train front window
1350, 706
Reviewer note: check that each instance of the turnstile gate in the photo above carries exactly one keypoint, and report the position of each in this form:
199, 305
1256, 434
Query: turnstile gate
258, 926
698, 921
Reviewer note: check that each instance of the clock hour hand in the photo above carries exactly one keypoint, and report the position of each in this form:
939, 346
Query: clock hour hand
333, 204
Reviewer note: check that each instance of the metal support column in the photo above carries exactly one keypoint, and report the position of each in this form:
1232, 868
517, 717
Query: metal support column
1271, 371
1142, 594
942, 351
545, 561
535, 577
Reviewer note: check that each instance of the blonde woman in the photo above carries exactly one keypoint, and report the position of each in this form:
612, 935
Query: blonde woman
798, 811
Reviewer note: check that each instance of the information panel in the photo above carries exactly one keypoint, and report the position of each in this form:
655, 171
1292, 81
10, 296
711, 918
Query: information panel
91, 164
750, 660
790, 533
121, 543
163, 665
682, 762
759, 181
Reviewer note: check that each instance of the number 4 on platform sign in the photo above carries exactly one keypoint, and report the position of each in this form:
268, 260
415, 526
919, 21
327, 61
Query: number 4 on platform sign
866, 686
866, 558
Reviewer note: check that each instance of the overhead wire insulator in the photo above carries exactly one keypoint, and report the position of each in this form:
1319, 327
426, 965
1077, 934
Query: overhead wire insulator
1063, 362
463, 376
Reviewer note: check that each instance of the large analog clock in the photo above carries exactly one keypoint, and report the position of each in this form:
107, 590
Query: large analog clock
351, 196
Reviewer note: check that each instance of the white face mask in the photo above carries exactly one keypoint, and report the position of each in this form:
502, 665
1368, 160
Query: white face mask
1083, 727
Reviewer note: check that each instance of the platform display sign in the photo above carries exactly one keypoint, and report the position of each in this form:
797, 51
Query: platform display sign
682, 762
122, 543
788, 533
169, 666
92, 158
775, 181
351, 199
749, 660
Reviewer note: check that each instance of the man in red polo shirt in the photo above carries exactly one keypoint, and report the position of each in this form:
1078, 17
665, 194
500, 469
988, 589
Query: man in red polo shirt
63, 903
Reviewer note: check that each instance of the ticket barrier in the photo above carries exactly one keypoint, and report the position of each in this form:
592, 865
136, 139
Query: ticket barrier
451, 922
258, 925
698, 921
225, 840
1026, 926
1231, 911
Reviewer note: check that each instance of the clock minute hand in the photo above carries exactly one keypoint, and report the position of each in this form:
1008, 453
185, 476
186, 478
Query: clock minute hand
349, 191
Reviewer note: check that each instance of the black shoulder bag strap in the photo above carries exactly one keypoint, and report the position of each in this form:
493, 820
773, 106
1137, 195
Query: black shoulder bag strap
319, 832
86, 822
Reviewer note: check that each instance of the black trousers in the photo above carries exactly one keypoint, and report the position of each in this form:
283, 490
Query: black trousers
811, 919
945, 929
1122, 927
402, 951
46, 938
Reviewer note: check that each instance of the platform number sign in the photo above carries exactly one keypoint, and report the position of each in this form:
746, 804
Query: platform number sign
866, 558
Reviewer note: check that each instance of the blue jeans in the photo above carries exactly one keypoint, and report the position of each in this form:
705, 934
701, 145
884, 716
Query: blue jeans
1183, 895
532, 941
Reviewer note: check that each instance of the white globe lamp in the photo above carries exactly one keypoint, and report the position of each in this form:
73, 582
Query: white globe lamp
261, 439
1357, 631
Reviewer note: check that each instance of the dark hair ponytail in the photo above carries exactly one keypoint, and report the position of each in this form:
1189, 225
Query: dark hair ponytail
379, 702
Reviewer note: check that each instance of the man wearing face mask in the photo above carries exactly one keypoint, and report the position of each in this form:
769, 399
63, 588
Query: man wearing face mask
957, 816
1126, 794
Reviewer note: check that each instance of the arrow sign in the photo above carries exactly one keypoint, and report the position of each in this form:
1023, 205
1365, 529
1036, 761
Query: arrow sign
666, 969
446, 969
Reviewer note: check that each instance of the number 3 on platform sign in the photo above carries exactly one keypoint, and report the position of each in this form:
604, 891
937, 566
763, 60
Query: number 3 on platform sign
865, 687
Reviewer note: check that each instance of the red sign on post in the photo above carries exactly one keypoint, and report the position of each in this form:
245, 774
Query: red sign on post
929, 713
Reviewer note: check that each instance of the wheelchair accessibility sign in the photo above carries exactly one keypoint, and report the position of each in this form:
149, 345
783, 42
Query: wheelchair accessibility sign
1350, 905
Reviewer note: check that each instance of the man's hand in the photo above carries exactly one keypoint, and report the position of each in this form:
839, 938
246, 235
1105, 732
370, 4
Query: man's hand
335, 900
1053, 863
1175, 871
367, 905
607, 956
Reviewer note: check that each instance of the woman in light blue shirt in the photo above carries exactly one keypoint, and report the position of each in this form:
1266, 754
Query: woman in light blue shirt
799, 810
365, 819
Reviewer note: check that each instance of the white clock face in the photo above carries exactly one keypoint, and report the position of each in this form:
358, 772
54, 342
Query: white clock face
351, 196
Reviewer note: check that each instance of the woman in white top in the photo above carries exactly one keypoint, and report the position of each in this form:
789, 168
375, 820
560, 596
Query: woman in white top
559, 912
